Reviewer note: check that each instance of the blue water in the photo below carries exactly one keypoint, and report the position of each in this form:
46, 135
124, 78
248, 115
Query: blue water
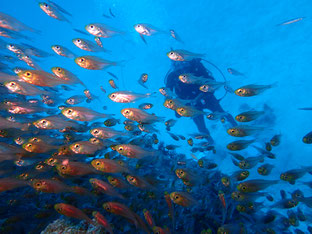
244, 35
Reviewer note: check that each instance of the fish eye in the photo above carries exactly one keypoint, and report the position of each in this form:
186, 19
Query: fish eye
239, 91
170, 101
139, 25
63, 167
45, 5
176, 197
91, 26
69, 111
244, 187
107, 208
38, 184
78, 40
120, 148
28, 74
39, 167
95, 131
59, 209
77, 146
127, 112
43, 121
182, 110
157, 232
57, 47
29, 145
131, 178
98, 163
113, 95
232, 130
58, 69
171, 53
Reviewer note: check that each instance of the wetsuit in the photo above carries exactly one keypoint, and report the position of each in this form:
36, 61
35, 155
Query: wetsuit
191, 91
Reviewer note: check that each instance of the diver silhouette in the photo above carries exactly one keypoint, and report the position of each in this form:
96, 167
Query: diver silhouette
207, 100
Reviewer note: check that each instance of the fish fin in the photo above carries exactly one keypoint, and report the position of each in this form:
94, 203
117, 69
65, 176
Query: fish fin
142, 37
59, 7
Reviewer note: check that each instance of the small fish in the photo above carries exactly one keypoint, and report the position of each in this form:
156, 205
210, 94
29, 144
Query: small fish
112, 84
127, 96
166, 92
248, 116
183, 55
23, 88
105, 188
8, 183
143, 79
234, 72
252, 90
239, 145
100, 219
211, 86
146, 106
94, 63
139, 182
146, 30
106, 133
307, 139
133, 151
83, 114
11, 23
189, 111
98, 41
71, 211
50, 186
66, 75
85, 147
76, 99
174, 103
265, 169
149, 218
291, 21
175, 35
112, 74
53, 10
103, 90
111, 12
243, 130
108, 166
240, 175
70, 168
40, 78
111, 122
82, 32
276, 140
63, 51
88, 45
140, 116
182, 199
117, 182
292, 175
252, 186
102, 30
120, 209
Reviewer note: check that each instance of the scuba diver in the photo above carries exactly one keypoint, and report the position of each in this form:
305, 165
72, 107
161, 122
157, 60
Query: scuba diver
184, 91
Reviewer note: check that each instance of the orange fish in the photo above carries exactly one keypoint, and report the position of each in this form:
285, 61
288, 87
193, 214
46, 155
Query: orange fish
104, 187
108, 166
100, 219
71, 211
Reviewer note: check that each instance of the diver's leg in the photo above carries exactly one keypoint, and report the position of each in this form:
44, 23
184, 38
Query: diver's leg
201, 126
213, 104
